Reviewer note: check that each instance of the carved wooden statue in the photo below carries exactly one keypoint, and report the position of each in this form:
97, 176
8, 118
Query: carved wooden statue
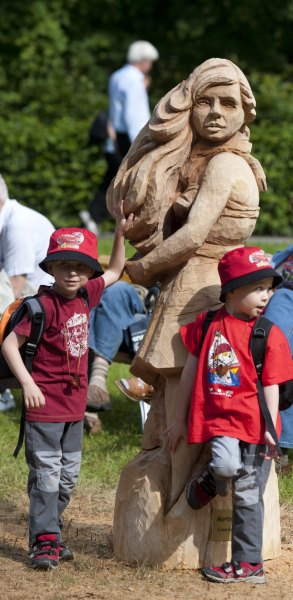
194, 189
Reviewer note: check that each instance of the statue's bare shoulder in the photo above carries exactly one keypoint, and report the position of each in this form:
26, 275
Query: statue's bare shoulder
230, 163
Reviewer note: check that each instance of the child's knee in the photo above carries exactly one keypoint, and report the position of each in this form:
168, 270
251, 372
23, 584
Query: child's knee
224, 467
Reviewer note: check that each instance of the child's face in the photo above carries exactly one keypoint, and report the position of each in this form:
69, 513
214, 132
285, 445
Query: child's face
218, 113
69, 275
249, 301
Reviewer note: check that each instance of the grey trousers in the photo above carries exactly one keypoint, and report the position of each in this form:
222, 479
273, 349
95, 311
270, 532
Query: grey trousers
53, 455
241, 463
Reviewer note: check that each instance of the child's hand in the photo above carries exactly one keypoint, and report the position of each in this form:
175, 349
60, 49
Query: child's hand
173, 434
271, 451
123, 223
33, 397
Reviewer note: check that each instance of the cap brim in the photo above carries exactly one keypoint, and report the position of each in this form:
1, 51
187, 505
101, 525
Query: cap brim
72, 255
250, 278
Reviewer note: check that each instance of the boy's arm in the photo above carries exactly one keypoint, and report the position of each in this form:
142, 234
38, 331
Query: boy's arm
33, 396
271, 394
178, 427
117, 260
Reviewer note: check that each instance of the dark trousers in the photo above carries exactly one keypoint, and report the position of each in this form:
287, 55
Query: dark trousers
123, 143
98, 208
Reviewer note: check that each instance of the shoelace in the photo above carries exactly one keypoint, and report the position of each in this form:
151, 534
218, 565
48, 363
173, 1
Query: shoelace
39, 549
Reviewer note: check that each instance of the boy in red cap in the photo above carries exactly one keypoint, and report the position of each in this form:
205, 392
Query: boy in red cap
219, 400
55, 393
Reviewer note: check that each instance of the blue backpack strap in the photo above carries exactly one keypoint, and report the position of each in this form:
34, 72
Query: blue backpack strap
37, 316
258, 342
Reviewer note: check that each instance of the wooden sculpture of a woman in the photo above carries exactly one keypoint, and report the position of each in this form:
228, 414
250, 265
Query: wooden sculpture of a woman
193, 186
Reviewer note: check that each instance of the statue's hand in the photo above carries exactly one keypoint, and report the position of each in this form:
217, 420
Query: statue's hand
136, 272
173, 434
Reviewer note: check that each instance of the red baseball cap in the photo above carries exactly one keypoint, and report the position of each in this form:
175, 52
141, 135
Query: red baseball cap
243, 266
71, 243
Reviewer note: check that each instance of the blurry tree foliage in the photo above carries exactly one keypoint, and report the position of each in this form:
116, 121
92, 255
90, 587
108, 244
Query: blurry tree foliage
55, 60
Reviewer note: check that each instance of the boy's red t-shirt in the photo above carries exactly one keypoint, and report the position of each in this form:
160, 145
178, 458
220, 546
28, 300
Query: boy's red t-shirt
224, 399
62, 352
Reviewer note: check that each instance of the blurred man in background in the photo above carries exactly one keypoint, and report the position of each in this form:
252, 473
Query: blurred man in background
129, 103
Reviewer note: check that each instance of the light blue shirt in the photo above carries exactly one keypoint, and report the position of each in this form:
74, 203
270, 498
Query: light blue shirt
129, 107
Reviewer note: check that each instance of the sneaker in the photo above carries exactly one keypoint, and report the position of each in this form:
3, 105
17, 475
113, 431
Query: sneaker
135, 388
45, 552
234, 572
97, 399
201, 490
6, 401
88, 222
64, 552
92, 423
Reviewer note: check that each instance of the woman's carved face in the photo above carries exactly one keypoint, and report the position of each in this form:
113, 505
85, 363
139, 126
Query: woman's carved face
218, 113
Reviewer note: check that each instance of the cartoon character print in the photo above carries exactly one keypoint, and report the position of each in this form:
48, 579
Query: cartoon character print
223, 364
75, 333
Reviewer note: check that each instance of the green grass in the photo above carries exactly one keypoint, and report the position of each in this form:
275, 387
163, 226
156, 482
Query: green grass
267, 246
105, 246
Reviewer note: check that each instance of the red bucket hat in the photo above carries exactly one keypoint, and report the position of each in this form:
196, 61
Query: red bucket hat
71, 243
243, 266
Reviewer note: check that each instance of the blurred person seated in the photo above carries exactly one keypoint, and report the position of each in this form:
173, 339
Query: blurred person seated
122, 306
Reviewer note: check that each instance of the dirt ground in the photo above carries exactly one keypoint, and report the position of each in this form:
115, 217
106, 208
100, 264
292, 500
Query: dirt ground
95, 574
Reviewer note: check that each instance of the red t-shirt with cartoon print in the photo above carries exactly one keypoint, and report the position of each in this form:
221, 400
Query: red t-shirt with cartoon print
224, 399
62, 353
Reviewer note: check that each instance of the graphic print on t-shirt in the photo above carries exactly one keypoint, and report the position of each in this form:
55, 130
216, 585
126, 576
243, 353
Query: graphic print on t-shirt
75, 332
223, 364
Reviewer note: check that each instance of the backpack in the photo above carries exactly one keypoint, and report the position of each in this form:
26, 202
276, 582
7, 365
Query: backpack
13, 314
258, 342
98, 132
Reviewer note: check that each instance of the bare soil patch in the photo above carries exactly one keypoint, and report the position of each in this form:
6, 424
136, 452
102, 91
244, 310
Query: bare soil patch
95, 573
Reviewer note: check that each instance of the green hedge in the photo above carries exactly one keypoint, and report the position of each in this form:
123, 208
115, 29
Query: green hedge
49, 167
56, 59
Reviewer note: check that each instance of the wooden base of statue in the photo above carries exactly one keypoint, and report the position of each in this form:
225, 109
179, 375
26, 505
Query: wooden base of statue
153, 523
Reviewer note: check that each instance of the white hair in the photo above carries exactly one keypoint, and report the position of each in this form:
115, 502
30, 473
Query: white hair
141, 50
3, 191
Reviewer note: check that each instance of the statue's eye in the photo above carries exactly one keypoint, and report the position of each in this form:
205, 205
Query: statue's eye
202, 102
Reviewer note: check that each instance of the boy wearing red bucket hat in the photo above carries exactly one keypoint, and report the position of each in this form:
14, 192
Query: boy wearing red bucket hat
219, 404
55, 393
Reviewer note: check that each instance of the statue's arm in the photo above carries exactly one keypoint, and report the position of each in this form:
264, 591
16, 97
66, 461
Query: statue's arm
179, 247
